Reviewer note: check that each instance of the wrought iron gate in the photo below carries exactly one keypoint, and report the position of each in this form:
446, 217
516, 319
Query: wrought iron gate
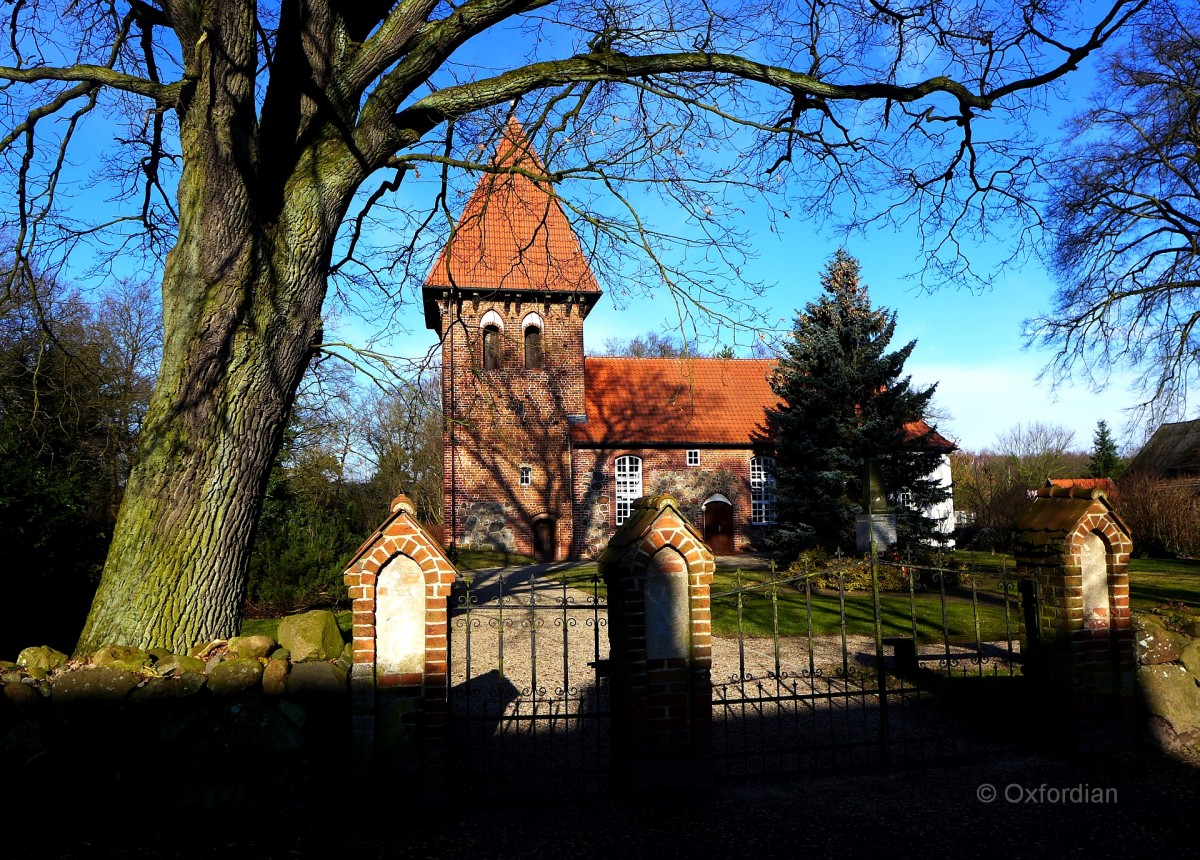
794, 690
529, 700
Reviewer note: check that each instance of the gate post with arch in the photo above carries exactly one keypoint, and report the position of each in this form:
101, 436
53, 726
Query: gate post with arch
1072, 556
658, 572
399, 582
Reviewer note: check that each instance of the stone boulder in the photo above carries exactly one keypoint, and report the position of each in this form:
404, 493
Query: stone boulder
235, 676
178, 664
1190, 658
311, 636
274, 678
1157, 645
122, 657
103, 684
252, 646
1169, 691
41, 659
316, 679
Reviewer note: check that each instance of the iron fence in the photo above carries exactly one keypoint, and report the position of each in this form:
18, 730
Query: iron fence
529, 704
809, 674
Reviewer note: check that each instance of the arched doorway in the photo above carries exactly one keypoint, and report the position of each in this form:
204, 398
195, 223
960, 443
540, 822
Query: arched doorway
718, 525
544, 543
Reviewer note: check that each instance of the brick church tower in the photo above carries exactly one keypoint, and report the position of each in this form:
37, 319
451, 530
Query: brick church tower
508, 296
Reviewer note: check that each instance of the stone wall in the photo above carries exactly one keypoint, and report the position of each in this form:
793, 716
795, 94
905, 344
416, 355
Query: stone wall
149, 734
487, 525
1167, 642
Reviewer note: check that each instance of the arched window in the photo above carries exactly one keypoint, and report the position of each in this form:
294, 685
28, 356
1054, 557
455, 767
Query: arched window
629, 485
533, 348
762, 491
491, 348
533, 328
492, 324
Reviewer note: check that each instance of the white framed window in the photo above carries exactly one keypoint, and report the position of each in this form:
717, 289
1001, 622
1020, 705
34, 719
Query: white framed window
693, 457
904, 498
526, 476
628, 472
762, 490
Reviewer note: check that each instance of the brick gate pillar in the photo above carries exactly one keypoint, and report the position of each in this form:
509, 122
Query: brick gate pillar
658, 572
1072, 555
399, 583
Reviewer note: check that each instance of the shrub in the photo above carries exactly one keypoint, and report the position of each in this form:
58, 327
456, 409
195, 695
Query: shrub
1163, 516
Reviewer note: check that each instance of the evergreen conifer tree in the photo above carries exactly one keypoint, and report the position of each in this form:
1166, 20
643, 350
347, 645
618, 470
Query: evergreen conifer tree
1105, 457
844, 402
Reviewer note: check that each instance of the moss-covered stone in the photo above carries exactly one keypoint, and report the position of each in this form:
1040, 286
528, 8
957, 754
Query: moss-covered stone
156, 689
252, 646
177, 663
316, 679
235, 676
105, 684
1169, 691
41, 657
122, 657
1190, 658
311, 636
274, 678
281, 654
21, 696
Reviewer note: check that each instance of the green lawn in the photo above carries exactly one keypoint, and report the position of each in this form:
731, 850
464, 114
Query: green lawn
1153, 582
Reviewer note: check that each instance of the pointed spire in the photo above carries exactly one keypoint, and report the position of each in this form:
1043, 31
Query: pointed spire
513, 234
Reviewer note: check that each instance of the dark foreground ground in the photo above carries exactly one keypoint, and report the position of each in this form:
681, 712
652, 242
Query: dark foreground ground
1119, 806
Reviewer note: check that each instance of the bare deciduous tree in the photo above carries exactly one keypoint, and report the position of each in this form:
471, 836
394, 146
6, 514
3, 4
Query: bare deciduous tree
1126, 219
257, 141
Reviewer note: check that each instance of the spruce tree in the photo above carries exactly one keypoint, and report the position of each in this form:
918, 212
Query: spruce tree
845, 402
1105, 457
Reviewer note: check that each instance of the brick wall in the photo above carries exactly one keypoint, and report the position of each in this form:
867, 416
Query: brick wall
500, 420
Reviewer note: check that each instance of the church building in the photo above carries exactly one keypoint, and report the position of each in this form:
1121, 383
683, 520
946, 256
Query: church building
545, 449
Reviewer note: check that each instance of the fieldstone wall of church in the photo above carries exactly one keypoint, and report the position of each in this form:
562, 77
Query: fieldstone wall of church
692, 487
664, 470
487, 525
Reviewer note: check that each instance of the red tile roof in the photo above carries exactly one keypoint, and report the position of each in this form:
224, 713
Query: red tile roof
1105, 485
513, 234
694, 401
672, 400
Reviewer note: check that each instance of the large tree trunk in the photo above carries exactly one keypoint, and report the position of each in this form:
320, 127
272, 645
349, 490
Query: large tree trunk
175, 574
242, 296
